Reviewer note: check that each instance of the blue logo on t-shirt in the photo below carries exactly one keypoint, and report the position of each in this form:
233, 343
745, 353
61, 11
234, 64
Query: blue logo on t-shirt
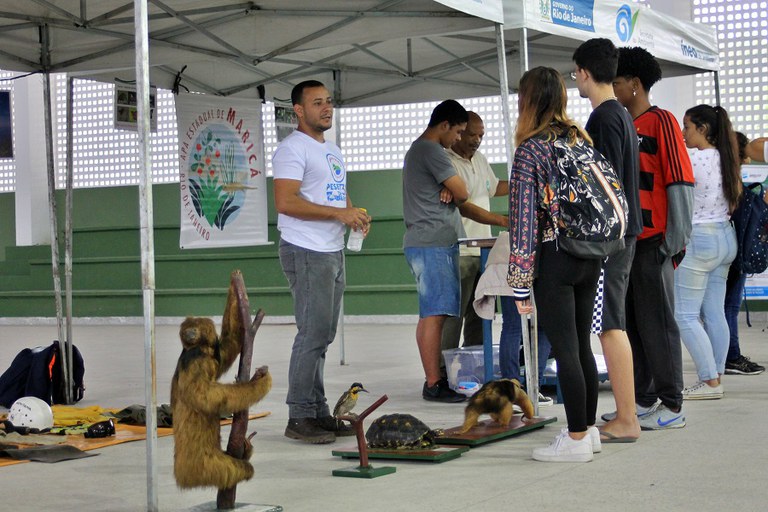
336, 192
337, 168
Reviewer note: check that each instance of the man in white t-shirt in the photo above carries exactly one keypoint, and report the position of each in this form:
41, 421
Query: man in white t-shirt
757, 149
737, 363
310, 187
482, 184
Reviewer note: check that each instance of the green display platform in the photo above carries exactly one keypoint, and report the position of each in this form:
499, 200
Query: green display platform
488, 431
239, 507
436, 454
361, 472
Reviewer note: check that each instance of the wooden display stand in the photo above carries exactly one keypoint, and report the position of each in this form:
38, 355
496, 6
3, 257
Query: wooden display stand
236, 446
364, 470
435, 454
237, 507
488, 431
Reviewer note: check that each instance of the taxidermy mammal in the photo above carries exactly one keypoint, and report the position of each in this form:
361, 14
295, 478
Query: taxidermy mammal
198, 401
496, 398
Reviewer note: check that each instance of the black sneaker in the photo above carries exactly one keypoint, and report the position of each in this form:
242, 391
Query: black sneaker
338, 427
307, 430
441, 392
743, 366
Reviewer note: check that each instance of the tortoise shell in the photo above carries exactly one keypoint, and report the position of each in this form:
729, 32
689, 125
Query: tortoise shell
400, 431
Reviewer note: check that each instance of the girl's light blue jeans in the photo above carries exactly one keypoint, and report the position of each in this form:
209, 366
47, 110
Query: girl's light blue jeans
700, 294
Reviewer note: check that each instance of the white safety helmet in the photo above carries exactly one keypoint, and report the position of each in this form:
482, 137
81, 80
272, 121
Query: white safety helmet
31, 412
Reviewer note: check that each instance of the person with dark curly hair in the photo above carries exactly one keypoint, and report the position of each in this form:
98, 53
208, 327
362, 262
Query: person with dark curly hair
666, 201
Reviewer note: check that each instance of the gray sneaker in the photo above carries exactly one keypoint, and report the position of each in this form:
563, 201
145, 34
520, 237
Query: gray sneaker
662, 418
641, 411
545, 401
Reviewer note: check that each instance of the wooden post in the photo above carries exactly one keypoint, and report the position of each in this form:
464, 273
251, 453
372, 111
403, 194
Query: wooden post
225, 499
357, 424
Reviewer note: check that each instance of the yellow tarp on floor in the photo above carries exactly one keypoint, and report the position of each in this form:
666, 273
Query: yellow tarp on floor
123, 434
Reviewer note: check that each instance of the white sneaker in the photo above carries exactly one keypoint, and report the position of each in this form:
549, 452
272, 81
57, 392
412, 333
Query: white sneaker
641, 411
703, 391
545, 401
565, 449
594, 436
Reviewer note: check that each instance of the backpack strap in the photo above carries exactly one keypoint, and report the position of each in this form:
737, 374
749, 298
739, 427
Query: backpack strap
746, 306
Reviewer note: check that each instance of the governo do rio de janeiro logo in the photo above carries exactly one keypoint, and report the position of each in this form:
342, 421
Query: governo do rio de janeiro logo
625, 22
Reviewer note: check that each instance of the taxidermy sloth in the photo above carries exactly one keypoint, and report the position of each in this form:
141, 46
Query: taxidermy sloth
198, 401
496, 398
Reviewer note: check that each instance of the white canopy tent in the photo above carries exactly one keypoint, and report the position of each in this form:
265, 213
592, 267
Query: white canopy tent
551, 36
368, 51
66, 36
233, 47
373, 51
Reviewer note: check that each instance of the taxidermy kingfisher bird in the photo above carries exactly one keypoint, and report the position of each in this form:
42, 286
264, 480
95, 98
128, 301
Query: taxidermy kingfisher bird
348, 400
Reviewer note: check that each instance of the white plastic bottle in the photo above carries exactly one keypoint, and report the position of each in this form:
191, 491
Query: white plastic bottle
355, 239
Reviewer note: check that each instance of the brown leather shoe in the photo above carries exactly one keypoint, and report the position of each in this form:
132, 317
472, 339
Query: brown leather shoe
337, 426
307, 430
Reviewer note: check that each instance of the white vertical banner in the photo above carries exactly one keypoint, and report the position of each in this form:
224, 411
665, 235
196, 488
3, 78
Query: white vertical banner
222, 172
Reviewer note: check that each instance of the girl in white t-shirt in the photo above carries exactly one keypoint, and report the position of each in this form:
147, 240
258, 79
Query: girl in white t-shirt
701, 276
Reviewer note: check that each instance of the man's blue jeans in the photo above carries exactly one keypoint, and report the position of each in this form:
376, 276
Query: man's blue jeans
511, 339
317, 285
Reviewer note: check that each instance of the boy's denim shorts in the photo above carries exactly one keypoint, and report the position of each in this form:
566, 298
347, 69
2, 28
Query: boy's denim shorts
436, 270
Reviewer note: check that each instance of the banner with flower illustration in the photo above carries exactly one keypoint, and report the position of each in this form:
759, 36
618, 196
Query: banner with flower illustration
221, 166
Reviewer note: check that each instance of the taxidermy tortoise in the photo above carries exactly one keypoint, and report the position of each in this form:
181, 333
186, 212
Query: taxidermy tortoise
400, 431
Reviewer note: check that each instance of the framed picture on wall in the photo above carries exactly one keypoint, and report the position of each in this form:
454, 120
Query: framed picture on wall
285, 119
126, 109
6, 125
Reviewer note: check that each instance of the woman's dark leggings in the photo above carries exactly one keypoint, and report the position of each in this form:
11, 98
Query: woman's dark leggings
565, 292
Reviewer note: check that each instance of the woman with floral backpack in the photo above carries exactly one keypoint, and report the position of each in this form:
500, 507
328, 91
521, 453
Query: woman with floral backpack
557, 242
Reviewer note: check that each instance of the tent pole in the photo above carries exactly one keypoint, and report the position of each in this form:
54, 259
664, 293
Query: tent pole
147, 245
717, 87
530, 322
530, 340
524, 64
52, 206
504, 86
68, 377
337, 128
